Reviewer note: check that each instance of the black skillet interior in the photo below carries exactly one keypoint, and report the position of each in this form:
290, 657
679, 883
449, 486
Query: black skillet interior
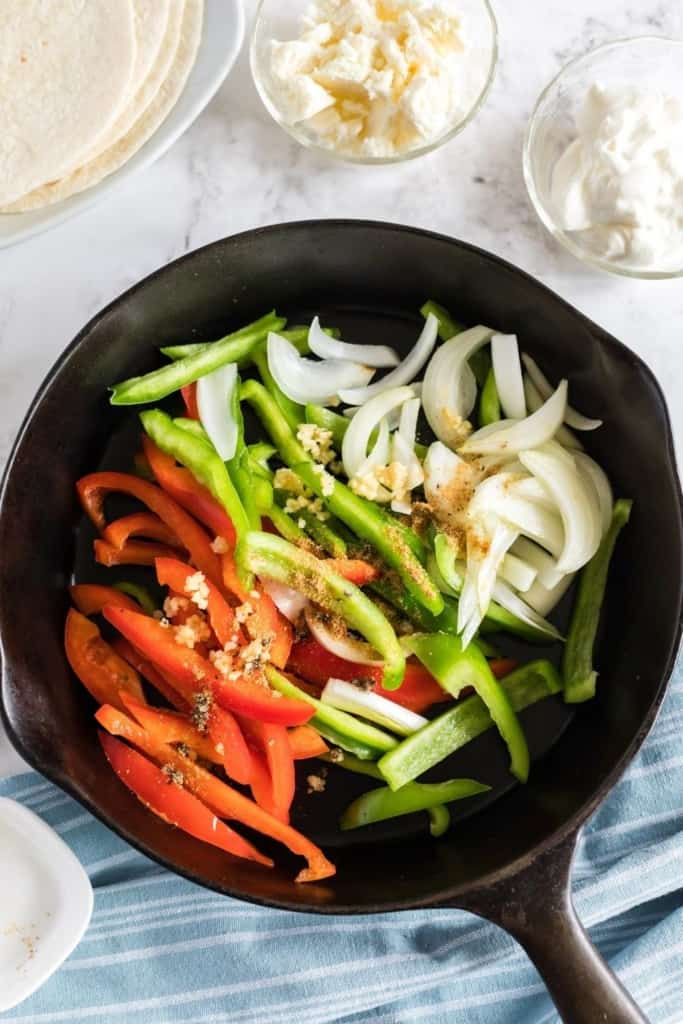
369, 280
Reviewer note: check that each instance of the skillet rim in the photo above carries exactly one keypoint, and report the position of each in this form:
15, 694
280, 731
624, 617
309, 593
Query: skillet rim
571, 827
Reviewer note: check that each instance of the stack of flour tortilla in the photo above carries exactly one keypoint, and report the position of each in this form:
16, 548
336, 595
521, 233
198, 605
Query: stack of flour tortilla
83, 85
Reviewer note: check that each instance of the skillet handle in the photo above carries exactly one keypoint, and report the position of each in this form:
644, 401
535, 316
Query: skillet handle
535, 906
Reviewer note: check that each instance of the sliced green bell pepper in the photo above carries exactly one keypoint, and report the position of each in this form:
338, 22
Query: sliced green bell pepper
489, 403
138, 593
448, 327
383, 803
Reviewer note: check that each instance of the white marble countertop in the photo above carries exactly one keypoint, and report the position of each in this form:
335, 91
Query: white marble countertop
235, 170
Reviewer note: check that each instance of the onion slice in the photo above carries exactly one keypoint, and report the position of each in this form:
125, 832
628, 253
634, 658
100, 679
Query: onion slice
497, 495
571, 417
367, 704
304, 380
543, 599
403, 374
290, 602
517, 573
534, 401
506, 598
545, 565
325, 347
591, 470
531, 432
449, 390
215, 394
357, 437
348, 648
507, 371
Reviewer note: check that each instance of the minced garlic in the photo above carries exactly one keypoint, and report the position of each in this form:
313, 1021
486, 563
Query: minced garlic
198, 589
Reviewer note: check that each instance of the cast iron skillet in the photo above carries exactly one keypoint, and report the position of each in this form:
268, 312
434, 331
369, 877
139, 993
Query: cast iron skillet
510, 863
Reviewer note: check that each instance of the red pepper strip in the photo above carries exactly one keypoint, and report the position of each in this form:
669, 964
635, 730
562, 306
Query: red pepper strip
246, 695
169, 801
189, 393
174, 574
179, 483
133, 553
171, 727
139, 524
190, 674
226, 801
418, 691
265, 619
355, 570
93, 488
103, 673
305, 742
273, 742
502, 666
261, 785
90, 598
151, 674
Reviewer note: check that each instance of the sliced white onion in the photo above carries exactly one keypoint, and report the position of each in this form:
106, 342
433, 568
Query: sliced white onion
577, 505
357, 437
534, 401
214, 401
407, 426
404, 453
326, 347
543, 599
367, 704
290, 602
589, 468
304, 380
531, 432
506, 598
403, 374
497, 495
507, 371
545, 565
449, 390
571, 417
518, 573
357, 651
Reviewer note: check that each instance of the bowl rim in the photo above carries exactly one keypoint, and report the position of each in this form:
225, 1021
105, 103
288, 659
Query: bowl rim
571, 824
529, 179
374, 161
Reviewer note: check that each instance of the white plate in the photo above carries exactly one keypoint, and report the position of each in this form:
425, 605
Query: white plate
45, 902
222, 38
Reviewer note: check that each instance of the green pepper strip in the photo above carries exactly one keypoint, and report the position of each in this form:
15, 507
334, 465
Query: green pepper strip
463, 723
152, 387
577, 665
323, 534
364, 518
276, 559
489, 403
250, 491
139, 594
439, 820
382, 803
364, 740
260, 453
193, 427
455, 668
297, 335
201, 459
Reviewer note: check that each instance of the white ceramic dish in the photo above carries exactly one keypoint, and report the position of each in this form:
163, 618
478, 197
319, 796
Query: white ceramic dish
45, 902
222, 38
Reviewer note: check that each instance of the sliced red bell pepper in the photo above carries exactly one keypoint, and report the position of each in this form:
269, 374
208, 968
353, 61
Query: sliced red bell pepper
265, 619
418, 691
246, 695
171, 727
151, 674
227, 802
273, 742
103, 673
189, 394
92, 490
139, 524
261, 785
135, 552
502, 666
90, 598
175, 574
355, 570
179, 483
171, 802
305, 742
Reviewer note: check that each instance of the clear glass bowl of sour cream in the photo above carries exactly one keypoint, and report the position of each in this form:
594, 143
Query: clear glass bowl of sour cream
603, 157
373, 81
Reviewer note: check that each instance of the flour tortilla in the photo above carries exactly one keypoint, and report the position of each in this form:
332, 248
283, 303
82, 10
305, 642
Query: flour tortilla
65, 72
141, 98
150, 19
114, 157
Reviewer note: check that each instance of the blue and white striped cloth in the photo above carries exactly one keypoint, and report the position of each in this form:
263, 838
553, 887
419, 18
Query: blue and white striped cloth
163, 951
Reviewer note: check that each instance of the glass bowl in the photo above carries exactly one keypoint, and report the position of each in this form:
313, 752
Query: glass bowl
651, 62
281, 20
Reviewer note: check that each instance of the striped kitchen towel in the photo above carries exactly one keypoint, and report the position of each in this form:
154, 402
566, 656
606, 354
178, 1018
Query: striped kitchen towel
162, 950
